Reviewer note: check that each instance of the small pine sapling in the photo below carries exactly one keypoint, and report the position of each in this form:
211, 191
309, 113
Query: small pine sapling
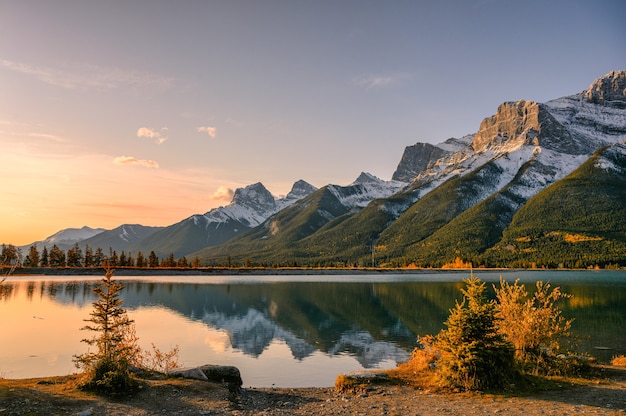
474, 355
107, 369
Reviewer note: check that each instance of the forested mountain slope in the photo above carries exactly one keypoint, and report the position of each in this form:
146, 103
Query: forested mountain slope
465, 193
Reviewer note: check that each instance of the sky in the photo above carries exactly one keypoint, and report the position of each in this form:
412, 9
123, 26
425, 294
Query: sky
148, 111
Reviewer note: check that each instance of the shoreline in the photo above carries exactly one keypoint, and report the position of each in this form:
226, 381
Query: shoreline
604, 394
243, 271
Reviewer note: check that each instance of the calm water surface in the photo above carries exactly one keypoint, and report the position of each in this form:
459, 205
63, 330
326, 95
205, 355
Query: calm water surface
285, 331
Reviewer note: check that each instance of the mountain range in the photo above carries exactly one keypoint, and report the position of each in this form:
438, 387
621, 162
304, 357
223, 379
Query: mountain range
539, 184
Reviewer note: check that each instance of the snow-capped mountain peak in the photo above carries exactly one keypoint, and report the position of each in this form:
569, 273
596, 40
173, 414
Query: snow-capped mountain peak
255, 195
253, 204
366, 177
364, 190
609, 89
72, 235
299, 190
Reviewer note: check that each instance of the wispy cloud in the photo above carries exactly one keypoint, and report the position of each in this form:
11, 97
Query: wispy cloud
211, 131
46, 136
223, 193
83, 77
129, 160
148, 133
380, 81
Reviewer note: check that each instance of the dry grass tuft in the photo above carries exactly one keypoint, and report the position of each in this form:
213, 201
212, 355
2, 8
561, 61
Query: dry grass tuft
419, 371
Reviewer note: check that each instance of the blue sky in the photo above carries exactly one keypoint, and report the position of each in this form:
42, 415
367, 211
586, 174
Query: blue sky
149, 111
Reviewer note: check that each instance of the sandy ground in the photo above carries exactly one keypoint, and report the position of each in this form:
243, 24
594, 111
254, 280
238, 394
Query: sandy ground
605, 395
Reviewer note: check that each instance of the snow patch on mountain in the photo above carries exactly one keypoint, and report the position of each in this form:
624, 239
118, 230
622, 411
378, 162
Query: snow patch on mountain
66, 238
254, 204
599, 125
607, 159
531, 144
299, 190
128, 233
455, 145
72, 235
364, 190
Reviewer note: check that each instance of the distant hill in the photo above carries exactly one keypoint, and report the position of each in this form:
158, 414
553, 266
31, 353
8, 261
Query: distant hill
66, 238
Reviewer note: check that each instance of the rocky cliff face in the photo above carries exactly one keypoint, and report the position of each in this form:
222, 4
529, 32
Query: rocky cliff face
300, 189
416, 159
255, 195
514, 124
573, 125
608, 90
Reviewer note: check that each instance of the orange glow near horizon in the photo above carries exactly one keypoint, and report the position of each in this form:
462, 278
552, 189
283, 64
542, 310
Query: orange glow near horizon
30, 314
48, 194
54, 311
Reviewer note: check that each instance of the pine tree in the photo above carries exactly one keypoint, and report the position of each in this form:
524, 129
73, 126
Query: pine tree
113, 259
56, 257
33, 254
182, 262
44, 257
74, 256
107, 368
153, 260
9, 254
88, 256
170, 261
123, 260
474, 354
98, 258
140, 262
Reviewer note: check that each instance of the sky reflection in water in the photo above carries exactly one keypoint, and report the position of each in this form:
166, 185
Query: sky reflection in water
287, 331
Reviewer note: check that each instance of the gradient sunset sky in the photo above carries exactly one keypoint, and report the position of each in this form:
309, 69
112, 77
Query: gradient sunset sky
148, 111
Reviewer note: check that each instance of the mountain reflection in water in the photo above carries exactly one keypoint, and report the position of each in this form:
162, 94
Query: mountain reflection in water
373, 324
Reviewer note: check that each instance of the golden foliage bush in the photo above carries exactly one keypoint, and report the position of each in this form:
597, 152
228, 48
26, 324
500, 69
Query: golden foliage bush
619, 361
487, 342
533, 324
458, 263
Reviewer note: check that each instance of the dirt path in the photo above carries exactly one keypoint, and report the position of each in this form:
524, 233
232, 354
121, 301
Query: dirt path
58, 396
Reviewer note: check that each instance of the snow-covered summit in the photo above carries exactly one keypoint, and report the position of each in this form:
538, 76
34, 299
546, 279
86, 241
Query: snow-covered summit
566, 130
364, 190
366, 177
68, 237
596, 116
299, 190
609, 89
72, 235
253, 204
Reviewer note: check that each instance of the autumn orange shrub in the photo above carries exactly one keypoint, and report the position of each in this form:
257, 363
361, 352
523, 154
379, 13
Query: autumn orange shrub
619, 361
419, 371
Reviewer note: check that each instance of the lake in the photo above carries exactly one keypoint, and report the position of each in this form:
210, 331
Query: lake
283, 331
